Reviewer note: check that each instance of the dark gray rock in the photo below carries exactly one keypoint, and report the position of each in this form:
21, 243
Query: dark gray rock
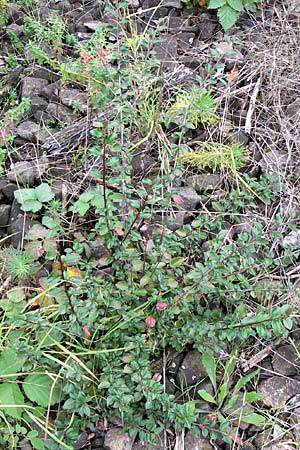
41, 72
8, 189
166, 52
18, 230
74, 98
191, 369
276, 391
27, 172
191, 442
32, 86
51, 91
187, 199
27, 130
15, 13
286, 360
61, 113
142, 164
4, 215
172, 4
81, 441
273, 161
117, 439
16, 29
38, 104
185, 40
157, 444
205, 182
63, 7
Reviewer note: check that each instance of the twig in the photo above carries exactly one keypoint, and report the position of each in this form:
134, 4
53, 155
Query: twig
251, 107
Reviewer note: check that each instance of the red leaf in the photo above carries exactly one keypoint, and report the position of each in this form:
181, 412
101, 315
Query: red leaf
177, 199
150, 321
119, 231
86, 332
161, 306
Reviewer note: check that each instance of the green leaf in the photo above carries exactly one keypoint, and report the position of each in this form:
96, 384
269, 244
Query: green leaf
10, 398
210, 365
22, 195
122, 285
254, 419
206, 396
244, 380
236, 4
227, 17
214, 4
231, 402
43, 193
177, 261
10, 362
31, 205
38, 388
222, 393
252, 396
81, 207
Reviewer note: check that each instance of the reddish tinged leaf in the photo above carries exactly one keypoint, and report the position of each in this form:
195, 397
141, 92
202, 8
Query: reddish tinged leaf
150, 321
86, 332
199, 295
119, 231
177, 199
234, 437
102, 261
161, 306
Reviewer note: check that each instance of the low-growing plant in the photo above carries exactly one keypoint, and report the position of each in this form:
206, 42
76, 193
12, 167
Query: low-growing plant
229, 10
33, 199
216, 156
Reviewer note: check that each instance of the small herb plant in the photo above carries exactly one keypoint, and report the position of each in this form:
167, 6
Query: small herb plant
229, 10
216, 156
33, 199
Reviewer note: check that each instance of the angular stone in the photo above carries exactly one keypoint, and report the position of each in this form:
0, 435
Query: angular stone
166, 52
74, 98
18, 229
191, 442
185, 40
293, 238
276, 391
38, 104
187, 199
16, 29
273, 161
27, 172
92, 25
4, 215
61, 113
32, 86
286, 360
205, 182
28, 130
191, 370
172, 4
117, 439
8, 189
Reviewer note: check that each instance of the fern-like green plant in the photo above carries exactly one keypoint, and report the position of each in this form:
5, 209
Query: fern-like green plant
192, 107
217, 156
17, 263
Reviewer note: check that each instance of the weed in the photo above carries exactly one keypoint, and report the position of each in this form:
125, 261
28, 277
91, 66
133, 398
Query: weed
17, 264
217, 156
229, 10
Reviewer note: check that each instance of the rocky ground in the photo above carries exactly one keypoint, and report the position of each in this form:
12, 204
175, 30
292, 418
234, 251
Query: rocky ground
259, 65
